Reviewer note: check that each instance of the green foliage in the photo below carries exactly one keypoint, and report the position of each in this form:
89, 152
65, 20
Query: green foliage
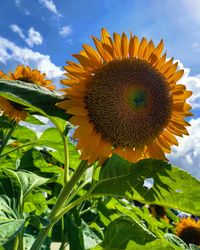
123, 179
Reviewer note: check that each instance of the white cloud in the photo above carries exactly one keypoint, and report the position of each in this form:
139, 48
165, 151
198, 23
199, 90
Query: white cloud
15, 28
18, 2
33, 37
49, 4
187, 154
192, 83
65, 31
11, 55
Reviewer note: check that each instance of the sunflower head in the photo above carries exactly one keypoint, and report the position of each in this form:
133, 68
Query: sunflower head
7, 108
124, 98
189, 231
26, 74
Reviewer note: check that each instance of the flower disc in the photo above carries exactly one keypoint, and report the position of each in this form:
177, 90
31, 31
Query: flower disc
129, 102
189, 231
124, 98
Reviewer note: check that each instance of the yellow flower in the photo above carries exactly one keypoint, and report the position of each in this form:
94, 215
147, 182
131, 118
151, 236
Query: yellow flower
26, 74
124, 98
8, 109
189, 231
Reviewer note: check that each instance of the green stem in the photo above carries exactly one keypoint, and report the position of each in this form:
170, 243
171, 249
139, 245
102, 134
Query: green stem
66, 150
7, 137
66, 155
71, 205
67, 189
16, 243
22, 146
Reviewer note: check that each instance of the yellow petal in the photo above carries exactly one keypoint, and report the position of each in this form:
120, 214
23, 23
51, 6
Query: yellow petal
124, 45
117, 45
104, 54
142, 47
92, 54
105, 37
133, 46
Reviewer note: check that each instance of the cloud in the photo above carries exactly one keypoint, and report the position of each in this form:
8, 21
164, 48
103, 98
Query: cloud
65, 31
49, 4
18, 2
11, 55
187, 154
15, 28
192, 83
33, 37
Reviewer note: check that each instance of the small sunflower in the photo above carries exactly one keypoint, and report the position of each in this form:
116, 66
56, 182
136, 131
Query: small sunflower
26, 74
8, 109
189, 231
124, 98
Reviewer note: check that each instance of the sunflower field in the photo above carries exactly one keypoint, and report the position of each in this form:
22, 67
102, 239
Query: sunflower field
85, 166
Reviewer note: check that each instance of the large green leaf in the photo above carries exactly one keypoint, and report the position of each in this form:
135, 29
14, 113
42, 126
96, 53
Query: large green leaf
10, 189
127, 233
23, 133
51, 138
9, 229
29, 181
124, 229
35, 97
172, 186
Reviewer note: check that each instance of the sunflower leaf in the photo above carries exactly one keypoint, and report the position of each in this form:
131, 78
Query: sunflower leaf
32, 96
127, 233
172, 187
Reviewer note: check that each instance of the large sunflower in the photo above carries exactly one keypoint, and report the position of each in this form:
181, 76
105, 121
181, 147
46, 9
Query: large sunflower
8, 109
124, 98
26, 74
189, 231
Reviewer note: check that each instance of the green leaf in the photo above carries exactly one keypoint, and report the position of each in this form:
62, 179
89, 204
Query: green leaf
23, 133
90, 239
176, 241
51, 138
4, 122
33, 120
172, 186
35, 202
33, 96
9, 229
29, 181
10, 189
126, 233
73, 153
124, 229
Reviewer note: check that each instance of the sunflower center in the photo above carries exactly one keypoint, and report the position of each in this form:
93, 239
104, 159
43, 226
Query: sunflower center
25, 79
129, 102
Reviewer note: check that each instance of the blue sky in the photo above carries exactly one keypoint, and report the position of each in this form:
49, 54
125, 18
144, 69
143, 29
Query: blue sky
44, 34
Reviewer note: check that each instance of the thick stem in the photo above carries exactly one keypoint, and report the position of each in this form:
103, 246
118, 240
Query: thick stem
66, 155
7, 137
67, 189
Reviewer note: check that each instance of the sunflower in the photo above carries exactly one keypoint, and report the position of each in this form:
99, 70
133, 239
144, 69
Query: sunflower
26, 74
189, 231
8, 109
124, 98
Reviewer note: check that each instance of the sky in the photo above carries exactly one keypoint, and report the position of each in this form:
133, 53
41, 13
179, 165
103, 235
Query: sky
45, 33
